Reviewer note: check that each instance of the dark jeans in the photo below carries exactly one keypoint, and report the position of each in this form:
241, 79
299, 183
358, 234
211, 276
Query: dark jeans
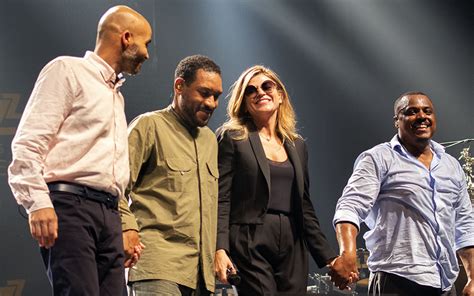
87, 258
387, 284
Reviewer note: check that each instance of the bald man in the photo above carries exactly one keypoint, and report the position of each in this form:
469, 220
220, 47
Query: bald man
70, 158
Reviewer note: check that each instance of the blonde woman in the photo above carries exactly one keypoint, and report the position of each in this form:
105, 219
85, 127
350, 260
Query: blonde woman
266, 219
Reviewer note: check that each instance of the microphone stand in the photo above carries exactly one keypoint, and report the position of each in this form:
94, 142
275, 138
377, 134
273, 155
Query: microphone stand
454, 143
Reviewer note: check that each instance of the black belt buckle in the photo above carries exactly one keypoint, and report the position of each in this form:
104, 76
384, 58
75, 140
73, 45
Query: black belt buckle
104, 197
111, 201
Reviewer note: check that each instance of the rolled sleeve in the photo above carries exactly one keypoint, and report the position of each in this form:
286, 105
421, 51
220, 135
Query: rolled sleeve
360, 193
464, 233
346, 216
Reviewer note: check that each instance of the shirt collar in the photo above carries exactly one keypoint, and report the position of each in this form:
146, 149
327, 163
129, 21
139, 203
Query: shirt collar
437, 148
192, 130
107, 72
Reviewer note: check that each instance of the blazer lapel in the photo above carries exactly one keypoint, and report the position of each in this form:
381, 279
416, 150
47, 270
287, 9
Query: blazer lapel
257, 147
295, 160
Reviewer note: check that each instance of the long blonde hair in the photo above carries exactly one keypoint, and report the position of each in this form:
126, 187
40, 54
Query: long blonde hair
238, 119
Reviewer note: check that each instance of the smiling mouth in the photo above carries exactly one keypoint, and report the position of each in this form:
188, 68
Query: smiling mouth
421, 126
262, 99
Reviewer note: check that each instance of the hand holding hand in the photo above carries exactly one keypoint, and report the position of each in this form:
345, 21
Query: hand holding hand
343, 271
222, 264
468, 288
132, 247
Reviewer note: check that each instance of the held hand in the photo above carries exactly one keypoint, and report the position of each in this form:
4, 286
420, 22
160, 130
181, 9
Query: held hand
343, 271
468, 288
44, 226
132, 247
132, 261
222, 263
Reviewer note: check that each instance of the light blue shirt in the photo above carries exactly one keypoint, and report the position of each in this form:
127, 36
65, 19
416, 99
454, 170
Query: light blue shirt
417, 217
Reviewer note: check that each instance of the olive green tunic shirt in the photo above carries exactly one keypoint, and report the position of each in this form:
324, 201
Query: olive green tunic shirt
173, 189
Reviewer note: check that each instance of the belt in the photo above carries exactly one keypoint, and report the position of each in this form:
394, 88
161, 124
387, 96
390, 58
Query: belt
277, 212
86, 192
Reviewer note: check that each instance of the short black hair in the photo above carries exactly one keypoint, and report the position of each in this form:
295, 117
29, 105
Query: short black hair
188, 67
409, 93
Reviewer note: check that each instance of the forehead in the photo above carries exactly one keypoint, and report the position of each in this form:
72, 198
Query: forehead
414, 101
259, 78
207, 79
147, 32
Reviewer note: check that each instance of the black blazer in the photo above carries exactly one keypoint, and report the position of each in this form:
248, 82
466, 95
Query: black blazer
244, 190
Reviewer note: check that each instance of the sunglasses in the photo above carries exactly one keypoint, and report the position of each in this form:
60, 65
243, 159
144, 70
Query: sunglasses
267, 86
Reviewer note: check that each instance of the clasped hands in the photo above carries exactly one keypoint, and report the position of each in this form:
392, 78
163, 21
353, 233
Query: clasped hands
132, 247
343, 271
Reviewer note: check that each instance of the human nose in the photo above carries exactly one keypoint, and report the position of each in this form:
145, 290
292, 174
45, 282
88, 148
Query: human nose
211, 103
260, 91
421, 114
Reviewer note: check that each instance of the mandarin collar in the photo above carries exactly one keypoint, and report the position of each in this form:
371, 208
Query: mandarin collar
193, 130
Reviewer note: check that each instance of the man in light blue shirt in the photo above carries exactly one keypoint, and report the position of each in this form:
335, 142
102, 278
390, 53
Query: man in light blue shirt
413, 198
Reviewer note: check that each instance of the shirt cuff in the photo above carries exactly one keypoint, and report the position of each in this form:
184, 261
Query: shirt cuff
346, 216
129, 223
467, 241
40, 201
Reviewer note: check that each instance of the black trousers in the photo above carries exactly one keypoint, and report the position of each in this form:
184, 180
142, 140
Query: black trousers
271, 258
387, 284
87, 258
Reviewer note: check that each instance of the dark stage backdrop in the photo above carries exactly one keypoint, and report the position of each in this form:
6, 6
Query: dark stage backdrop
343, 62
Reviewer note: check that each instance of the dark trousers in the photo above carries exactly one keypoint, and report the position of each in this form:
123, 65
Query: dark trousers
166, 288
271, 258
387, 284
159, 287
87, 258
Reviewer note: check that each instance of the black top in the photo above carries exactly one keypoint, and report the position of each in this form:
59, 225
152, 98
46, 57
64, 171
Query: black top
282, 175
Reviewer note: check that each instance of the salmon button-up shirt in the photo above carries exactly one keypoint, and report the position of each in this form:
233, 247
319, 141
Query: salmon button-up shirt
73, 129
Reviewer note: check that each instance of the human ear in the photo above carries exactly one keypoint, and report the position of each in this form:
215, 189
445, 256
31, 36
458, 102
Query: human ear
126, 39
395, 121
178, 84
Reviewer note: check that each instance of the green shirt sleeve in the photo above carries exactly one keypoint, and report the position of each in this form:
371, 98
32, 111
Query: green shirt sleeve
129, 221
140, 145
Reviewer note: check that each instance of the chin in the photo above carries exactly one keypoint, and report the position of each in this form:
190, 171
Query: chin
425, 135
135, 71
202, 123
131, 73
423, 138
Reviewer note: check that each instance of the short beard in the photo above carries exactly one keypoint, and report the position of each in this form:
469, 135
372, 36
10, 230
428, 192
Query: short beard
130, 60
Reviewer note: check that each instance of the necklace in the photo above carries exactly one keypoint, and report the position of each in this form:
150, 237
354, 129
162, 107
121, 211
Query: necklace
274, 147
266, 138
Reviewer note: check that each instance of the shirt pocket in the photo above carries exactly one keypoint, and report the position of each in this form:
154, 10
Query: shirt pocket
179, 173
212, 180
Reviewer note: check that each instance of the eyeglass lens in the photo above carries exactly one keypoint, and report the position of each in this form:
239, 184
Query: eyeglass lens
267, 86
